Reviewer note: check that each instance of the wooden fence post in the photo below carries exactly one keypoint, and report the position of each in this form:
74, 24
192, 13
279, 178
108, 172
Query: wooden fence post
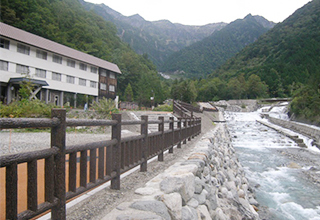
189, 129
185, 131
116, 151
193, 127
161, 129
171, 127
58, 139
144, 131
179, 126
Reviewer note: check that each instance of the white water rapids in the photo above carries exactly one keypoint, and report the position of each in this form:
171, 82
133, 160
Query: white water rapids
282, 191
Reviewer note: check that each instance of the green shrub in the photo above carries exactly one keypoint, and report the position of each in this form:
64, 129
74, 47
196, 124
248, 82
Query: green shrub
164, 108
26, 109
105, 107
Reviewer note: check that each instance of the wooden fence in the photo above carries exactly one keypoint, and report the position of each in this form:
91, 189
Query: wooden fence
95, 163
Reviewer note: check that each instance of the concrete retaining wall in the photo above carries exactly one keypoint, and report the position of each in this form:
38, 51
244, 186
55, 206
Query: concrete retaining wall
308, 131
209, 184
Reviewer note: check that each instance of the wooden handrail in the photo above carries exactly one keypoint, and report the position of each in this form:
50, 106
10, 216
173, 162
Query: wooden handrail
113, 157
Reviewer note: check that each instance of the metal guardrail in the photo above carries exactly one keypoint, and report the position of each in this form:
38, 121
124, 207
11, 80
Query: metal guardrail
105, 160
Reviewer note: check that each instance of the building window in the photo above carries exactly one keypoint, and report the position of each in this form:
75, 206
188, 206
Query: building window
56, 76
94, 69
42, 54
83, 66
3, 65
93, 84
70, 79
112, 75
57, 59
23, 49
22, 69
41, 73
82, 82
71, 63
4, 43
103, 86
103, 72
112, 88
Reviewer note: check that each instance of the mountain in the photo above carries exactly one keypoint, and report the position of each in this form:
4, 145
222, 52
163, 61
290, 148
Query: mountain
157, 39
203, 57
284, 57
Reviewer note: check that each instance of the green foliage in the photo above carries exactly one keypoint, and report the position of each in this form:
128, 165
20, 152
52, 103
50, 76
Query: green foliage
306, 102
205, 56
128, 93
211, 90
26, 109
185, 91
105, 107
256, 88
287, 54
164, 108
235, 88
25, 89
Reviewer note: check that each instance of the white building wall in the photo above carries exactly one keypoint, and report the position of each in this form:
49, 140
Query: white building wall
14, 58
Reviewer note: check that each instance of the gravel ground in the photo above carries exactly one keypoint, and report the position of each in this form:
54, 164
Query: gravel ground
14, 142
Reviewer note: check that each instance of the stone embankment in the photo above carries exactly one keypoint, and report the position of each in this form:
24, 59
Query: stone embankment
207, 184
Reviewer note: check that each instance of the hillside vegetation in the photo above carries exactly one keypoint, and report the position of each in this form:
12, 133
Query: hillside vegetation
284, 57
158, 39
203, 57
68, 23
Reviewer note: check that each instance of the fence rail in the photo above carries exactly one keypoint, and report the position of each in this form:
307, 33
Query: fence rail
88, 165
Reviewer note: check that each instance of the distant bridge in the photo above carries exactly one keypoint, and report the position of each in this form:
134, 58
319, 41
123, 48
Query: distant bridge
276, 100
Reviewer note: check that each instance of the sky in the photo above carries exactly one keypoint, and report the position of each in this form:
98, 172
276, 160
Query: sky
201, 12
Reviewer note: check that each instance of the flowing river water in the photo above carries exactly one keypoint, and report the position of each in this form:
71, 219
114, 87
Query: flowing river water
284, 193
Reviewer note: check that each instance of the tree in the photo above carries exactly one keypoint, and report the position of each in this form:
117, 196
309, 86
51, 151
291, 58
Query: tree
256, 88
235, 89
128, 93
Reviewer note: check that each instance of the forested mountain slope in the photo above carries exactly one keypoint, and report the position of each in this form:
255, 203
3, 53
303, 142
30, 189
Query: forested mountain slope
69, 23
205, 56
158, 39
287, 55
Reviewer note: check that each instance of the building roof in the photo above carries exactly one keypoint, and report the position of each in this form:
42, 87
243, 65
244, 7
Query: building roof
40, 42
33, 81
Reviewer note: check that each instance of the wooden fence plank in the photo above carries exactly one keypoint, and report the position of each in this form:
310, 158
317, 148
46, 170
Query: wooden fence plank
12, 191
32, 192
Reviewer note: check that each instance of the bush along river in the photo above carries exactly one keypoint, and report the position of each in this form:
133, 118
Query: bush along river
285, 177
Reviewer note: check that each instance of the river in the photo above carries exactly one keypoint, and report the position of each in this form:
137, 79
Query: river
280, 185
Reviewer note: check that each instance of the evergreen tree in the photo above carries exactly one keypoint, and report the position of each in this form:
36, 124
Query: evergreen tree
128, 94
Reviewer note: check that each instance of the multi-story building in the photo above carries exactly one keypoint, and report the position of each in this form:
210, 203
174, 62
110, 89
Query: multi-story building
58, 73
